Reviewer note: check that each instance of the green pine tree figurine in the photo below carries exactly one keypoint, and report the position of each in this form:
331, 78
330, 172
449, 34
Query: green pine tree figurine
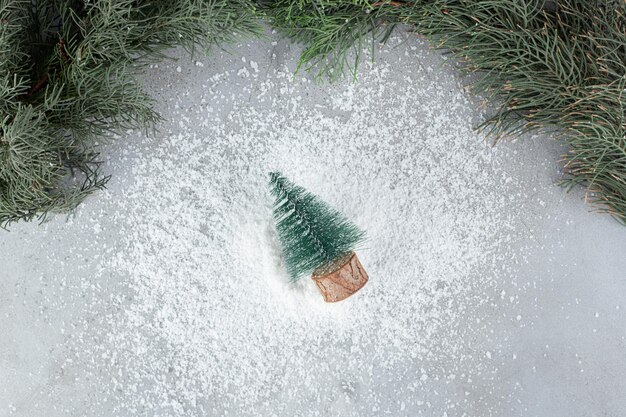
317, 239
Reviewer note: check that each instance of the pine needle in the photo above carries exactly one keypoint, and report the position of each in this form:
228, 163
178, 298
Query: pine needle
68, 72
545, 64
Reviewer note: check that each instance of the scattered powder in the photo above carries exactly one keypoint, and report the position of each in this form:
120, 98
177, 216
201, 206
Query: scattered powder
205, 321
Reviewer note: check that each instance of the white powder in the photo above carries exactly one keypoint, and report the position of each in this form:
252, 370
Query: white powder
210, 325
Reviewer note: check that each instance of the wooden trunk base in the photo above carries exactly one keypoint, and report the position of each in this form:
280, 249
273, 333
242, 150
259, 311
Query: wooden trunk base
345, 277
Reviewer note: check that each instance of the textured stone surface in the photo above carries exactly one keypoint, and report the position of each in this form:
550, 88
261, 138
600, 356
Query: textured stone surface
546, 337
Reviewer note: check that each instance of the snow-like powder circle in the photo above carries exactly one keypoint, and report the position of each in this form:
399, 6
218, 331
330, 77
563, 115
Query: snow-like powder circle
211, 325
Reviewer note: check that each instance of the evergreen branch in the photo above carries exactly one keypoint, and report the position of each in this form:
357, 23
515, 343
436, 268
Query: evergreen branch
546, 64
68, 71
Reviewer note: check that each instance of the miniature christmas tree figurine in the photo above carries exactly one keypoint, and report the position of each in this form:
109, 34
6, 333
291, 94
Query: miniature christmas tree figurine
318, 239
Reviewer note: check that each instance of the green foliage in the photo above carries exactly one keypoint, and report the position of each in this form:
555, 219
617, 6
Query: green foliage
331, 31
558, 65
311, 233
68, 72
68, 79
546, 64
